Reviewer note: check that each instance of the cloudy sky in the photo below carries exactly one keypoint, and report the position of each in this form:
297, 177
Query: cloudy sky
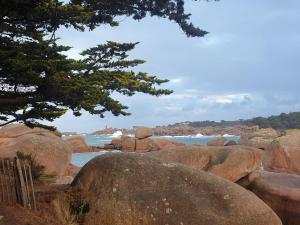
247, 66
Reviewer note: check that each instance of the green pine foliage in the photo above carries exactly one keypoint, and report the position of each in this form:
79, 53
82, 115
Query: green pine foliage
39, 82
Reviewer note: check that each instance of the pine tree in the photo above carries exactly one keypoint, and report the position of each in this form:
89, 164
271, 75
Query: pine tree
39, 82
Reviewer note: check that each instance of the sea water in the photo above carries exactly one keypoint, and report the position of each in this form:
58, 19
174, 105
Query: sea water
80, 159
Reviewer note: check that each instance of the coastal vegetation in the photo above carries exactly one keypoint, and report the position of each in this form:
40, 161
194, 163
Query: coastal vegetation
283, 121
38, 81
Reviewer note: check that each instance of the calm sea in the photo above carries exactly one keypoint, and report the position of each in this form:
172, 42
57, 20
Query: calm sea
79, 159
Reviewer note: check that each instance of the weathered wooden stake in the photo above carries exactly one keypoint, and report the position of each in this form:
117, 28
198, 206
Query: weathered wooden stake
10, 183
5, 183
17, 183
22, 183
2, 184
32, 188
26, 185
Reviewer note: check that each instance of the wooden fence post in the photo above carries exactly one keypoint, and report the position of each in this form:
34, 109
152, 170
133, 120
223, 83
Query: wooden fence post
10, 179
32, 188
2, 183
5, 182
27, 187
17, 182
22, 183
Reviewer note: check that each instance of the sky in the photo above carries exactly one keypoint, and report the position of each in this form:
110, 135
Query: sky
247, 65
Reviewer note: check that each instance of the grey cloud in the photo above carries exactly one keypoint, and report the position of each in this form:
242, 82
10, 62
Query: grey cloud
252, 52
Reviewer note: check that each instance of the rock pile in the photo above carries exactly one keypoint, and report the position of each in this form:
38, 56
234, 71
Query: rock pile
142, 142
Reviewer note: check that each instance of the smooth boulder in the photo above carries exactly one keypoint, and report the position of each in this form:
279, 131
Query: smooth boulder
281, 191
16, 130
234, 162
78, 144
45, 147
231, 163
132, 189
259, 139
192, 157
283, 154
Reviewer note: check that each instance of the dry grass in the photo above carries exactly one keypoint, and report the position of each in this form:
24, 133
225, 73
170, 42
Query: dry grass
61, 207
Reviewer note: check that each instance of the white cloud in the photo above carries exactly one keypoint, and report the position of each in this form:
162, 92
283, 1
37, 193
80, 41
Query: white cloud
176, 80
173, 108
179, 96
213, 41
226, 99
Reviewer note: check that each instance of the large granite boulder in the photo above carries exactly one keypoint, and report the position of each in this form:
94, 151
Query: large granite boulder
231, 163
234, 162
193, 157
78, 144
283, 154
131, 189
45, 147
142, 132
16, 130
281, 191
259, 139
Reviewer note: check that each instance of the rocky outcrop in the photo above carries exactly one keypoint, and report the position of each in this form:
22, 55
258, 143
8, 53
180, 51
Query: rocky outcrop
280, 191
142, 132
44, 146
231, 163
259, 139
131, 144
283, 154
185, 129
130, 189
217, 142
78, 144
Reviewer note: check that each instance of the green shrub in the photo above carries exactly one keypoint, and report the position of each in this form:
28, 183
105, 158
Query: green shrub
37, 170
